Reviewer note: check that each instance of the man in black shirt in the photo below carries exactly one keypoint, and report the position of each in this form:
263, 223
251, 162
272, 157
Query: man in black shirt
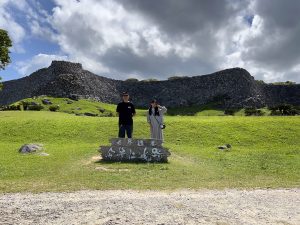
125, 111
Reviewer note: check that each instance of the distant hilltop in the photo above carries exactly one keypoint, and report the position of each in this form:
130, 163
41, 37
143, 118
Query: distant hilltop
234, 88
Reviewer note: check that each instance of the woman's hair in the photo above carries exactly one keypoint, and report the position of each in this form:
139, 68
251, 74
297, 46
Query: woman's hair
156, 112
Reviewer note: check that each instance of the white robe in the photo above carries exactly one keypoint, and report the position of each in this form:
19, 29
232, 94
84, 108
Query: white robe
155, 122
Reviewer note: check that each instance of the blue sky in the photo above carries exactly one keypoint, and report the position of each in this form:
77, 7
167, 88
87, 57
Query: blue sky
155, 39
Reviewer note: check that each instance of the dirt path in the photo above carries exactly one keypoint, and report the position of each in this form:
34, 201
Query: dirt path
153, 207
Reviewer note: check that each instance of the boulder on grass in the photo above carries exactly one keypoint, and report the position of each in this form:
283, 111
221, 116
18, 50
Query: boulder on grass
46, 102
30, 148
90, 114
74, 97
225, 147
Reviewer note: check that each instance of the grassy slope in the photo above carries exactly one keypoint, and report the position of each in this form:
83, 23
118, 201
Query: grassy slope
196, 111
79, 107
207, 110
265, 153
91, 106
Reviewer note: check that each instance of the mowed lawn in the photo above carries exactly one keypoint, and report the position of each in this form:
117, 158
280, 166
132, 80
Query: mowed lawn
265, 153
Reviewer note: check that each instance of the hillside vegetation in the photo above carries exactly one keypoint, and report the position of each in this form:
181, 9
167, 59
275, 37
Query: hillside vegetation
79, 107
90, 107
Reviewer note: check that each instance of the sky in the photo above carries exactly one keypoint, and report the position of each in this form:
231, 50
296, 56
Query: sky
144, 39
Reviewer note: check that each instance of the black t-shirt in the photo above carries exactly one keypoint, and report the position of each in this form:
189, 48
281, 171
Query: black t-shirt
126, 111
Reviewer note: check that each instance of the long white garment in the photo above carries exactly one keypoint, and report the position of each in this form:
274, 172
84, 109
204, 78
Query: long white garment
155, 122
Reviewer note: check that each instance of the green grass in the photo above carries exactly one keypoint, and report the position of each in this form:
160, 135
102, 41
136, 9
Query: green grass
79, 107
265, 153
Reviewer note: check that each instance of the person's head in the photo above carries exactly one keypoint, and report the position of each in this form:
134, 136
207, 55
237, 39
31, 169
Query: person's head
154, 103
125, 96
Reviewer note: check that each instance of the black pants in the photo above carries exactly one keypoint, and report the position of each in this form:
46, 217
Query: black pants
127, 128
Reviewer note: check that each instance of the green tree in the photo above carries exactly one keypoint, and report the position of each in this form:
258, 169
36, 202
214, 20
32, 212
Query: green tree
5, 44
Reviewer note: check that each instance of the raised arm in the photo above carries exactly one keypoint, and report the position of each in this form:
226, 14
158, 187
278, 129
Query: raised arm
162, 109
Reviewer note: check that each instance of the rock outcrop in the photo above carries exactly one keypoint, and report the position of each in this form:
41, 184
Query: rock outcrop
235, 87
30, 148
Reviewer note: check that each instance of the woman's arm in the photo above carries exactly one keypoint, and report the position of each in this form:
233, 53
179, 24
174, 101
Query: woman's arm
162, 109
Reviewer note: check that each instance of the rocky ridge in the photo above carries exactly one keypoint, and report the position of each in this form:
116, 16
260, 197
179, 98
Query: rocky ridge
235, 88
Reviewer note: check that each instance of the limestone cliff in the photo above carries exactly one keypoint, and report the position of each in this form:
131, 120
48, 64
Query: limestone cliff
235, 87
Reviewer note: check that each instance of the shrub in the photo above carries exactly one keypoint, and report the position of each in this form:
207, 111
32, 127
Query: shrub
32, 106
108, 114
260, 81
10, 108
176, 77
25, 105
284, 110
229, 112
15, 107
101, 110
90, 114
132, 80
35, 107
284, 83
253, 112
54, 108
150, 80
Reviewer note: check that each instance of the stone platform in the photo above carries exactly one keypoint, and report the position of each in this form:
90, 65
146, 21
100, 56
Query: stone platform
134, 150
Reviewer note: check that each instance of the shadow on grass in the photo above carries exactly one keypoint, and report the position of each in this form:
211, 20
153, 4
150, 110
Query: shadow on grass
104, 162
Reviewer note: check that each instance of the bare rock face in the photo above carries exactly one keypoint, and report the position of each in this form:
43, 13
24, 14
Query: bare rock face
30, 148
63, 67
235, 88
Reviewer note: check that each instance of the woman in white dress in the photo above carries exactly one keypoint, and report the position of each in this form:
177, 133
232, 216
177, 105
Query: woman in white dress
156, 120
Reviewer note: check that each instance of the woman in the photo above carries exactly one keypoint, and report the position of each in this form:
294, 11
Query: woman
156, 120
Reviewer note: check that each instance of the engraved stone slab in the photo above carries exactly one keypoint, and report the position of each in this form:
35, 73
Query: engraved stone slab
125, 153
135, 142
134, 150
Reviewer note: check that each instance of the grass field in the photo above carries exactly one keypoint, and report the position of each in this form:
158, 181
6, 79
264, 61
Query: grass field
265, 153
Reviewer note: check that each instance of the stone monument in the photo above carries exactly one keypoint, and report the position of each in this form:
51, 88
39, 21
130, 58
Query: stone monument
134, 150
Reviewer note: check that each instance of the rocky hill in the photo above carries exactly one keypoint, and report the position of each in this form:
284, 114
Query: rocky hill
235, 88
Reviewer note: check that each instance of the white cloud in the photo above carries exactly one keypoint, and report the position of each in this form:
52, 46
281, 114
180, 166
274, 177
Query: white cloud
37, 62
7, 22
121, 38
95, 28
266, 49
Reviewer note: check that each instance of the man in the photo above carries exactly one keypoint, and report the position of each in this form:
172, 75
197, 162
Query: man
126, 111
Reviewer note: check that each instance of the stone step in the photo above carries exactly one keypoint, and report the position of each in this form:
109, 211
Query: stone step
136, 142
134, 153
